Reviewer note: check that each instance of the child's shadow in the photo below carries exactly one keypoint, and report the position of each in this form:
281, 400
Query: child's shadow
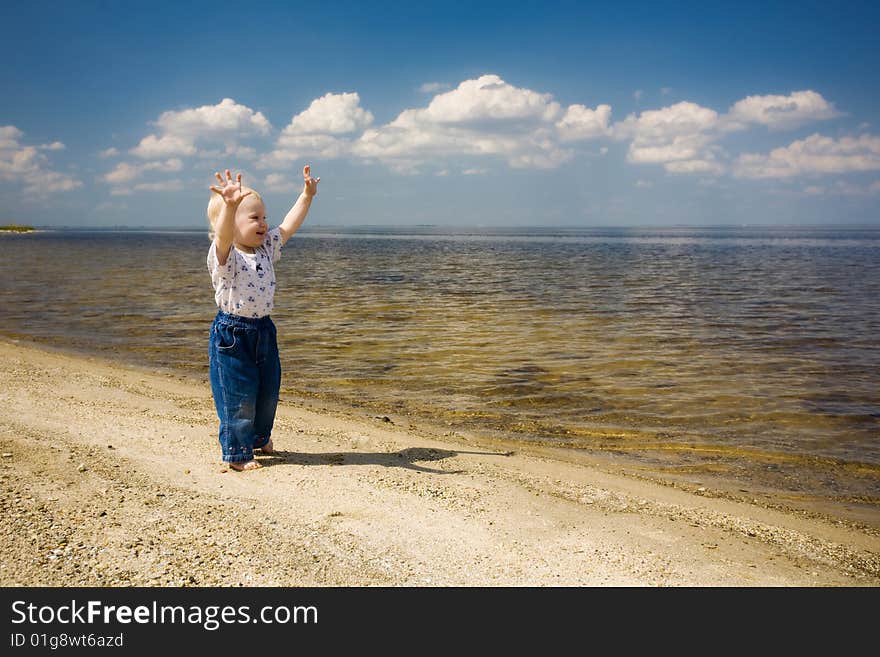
405, 458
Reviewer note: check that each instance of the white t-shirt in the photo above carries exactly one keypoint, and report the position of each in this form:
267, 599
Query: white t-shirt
245, 285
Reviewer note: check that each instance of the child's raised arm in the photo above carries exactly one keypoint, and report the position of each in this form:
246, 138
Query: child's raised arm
300, 209
231, 194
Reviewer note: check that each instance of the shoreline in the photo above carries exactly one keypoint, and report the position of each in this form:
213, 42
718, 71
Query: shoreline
114, 478
700, 477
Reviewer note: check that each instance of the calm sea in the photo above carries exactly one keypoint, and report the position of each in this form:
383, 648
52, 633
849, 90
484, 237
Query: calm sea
748, 353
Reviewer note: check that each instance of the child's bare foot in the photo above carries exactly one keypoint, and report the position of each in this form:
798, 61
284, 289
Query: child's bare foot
245, 465
267, 448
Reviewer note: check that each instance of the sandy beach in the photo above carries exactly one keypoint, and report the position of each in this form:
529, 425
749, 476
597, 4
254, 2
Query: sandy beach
111, 475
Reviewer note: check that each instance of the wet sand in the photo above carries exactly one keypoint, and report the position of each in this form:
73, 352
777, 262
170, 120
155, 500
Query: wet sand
111, 475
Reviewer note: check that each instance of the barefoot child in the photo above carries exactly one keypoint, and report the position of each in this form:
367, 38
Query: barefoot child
243, 349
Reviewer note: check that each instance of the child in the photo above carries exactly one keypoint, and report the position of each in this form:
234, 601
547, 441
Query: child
243, 349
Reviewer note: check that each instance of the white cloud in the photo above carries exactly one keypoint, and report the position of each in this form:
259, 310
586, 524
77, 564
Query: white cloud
226, 117
682, 137
108, 152
779, 112
179, 130
637, 95
679, 147
708, 165
481, 117
816, 154
681, 119
580, 122
125, 172
334, 114
54, 146
320, 130
295, 147
42, 181
474, 171
433, 87
678, 136
27, 167
9, 136
162, 186
107, 206
488, 98
278, 182
152, 146
209, 131
645, 184
843, 188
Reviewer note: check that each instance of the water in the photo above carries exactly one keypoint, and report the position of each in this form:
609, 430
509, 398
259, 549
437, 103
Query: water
746, 353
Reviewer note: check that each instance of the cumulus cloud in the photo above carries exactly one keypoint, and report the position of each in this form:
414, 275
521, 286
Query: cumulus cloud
323, 129
777, 112
678, 136
581, 122
152, 146
9, 136
481, 117
331, 114
681, 119
54, 146
125, 172
683, 137
209, 131
180, 130
27, 167
814, 155
214, 120
486, 98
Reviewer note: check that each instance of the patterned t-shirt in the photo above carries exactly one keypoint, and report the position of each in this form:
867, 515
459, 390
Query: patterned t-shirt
245, 284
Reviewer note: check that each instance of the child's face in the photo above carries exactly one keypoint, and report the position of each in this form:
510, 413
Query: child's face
250, 222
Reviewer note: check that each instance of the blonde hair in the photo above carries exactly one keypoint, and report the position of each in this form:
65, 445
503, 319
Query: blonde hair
215, 206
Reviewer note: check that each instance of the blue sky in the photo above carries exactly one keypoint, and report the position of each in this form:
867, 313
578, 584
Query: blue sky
553, 114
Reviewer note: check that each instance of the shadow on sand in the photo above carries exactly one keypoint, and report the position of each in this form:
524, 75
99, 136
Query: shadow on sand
405, 458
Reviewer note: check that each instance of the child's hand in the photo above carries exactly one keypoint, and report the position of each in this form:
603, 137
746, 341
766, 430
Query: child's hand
231, 191
310, 186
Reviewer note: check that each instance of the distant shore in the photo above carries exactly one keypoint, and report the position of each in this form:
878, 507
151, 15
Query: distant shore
111, 476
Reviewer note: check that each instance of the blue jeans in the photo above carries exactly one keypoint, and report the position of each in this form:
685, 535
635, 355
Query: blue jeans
245, 379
